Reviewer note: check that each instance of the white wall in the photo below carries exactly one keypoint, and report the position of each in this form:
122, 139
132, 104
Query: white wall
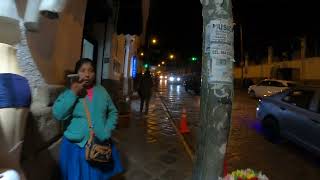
309, 69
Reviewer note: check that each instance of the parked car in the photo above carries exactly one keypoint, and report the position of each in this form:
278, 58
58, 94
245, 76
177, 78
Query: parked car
269, 87
294, 114
193, 83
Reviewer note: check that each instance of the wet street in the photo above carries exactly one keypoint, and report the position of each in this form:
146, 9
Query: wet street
247, 147
150, 147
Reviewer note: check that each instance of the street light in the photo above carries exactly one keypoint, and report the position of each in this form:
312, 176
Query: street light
171, 56
162, 62
141, 54
159, 65
154, 41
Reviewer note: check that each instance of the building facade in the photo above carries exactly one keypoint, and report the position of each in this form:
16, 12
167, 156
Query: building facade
301, 68
41, 40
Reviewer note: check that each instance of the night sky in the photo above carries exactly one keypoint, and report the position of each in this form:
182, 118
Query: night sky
267, 20
178, 24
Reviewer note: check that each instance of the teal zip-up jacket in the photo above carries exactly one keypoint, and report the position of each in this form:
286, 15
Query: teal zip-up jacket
104, 115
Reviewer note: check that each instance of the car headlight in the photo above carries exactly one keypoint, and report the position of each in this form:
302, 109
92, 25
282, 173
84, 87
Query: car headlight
161, 77
166, 77
178, 79
171, 78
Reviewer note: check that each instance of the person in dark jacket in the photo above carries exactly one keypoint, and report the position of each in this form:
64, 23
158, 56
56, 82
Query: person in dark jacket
145, 90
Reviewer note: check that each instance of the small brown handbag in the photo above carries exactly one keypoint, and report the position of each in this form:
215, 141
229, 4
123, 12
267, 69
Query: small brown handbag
96, 151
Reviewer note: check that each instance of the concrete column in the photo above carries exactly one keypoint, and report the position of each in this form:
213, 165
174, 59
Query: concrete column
126, 69
270, 54
127, 53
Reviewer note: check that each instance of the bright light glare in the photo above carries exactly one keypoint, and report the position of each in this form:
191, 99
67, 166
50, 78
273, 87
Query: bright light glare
178, 79
171, 78
154, 41
161, 77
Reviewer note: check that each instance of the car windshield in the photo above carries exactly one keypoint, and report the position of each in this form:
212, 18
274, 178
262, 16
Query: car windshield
276, 84
263, 83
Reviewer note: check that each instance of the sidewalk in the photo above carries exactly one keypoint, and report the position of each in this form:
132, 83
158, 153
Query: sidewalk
150, 146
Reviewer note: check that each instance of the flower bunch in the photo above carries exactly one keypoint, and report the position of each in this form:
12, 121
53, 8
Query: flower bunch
247, 174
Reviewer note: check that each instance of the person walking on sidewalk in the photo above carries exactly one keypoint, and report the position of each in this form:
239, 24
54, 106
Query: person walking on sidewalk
70, 106
145, 90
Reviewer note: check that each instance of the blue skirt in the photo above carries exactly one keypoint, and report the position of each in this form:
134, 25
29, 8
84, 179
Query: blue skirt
74, 166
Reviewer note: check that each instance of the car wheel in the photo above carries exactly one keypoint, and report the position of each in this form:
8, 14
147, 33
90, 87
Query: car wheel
252, 94
271, 128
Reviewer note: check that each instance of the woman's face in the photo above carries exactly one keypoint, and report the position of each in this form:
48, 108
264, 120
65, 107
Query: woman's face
86, 73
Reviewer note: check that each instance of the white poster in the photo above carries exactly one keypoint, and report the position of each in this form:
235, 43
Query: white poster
219, 48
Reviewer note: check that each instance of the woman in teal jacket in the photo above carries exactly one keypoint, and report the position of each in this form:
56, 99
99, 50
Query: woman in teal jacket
104, 115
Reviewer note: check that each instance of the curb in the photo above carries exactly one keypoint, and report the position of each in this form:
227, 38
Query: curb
182, 138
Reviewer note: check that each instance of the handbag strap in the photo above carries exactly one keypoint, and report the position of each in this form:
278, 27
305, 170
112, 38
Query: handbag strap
88, 115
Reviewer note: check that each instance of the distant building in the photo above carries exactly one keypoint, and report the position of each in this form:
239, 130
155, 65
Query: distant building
299, 65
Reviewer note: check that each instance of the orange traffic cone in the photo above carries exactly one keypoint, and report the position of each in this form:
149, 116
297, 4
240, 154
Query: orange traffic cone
183, 123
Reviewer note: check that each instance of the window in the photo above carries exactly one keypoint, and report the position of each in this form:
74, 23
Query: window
300, 98
276, 84
264, 83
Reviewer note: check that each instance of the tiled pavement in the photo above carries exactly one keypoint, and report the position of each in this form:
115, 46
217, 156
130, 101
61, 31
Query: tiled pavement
151, 148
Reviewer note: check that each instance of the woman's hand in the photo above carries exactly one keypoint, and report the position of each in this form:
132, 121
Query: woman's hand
78, 87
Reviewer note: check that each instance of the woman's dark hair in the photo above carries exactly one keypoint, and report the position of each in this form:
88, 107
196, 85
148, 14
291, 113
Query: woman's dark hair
81, 62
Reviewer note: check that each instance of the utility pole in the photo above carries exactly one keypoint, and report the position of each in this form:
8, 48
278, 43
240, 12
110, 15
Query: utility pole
216, 90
